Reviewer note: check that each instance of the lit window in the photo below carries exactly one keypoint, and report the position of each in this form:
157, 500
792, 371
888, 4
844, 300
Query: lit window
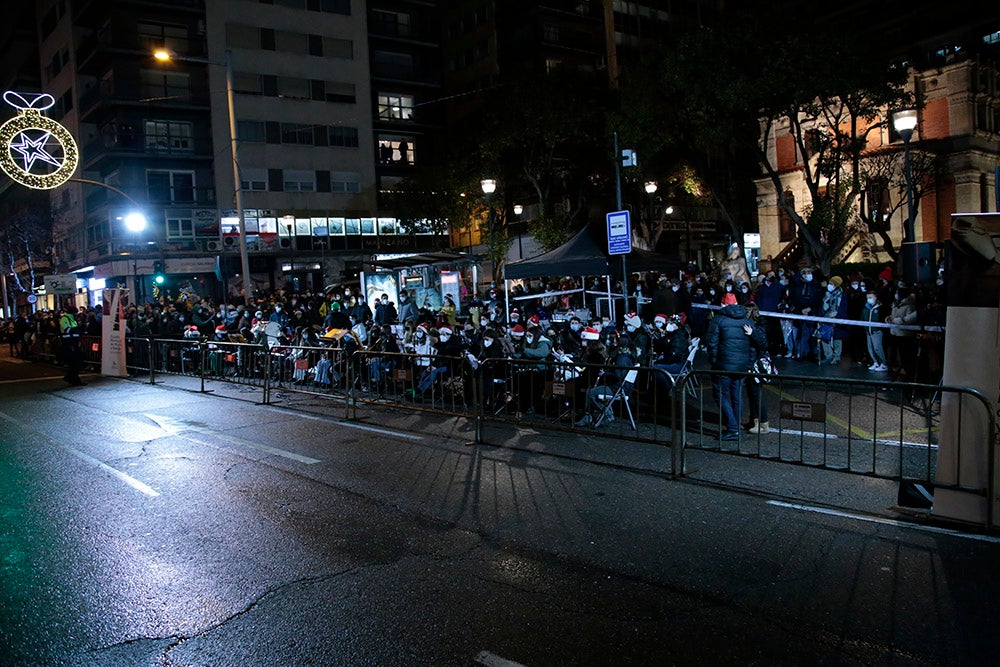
395, 107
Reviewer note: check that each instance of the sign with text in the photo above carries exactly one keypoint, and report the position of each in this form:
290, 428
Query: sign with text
619, 233
810, 412
60, 284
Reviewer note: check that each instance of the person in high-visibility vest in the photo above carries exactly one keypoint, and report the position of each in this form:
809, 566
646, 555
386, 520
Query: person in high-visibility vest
69, 329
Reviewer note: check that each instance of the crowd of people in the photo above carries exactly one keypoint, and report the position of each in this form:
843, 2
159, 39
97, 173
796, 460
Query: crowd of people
545, 326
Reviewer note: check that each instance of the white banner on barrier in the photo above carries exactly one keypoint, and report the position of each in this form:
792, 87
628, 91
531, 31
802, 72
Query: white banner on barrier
113, 333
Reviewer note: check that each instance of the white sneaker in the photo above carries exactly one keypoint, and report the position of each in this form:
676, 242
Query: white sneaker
873, 367
882, 368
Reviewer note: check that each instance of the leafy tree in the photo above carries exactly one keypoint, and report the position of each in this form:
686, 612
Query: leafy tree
717, 96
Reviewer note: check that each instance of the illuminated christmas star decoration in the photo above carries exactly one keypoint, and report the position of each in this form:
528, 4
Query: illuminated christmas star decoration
34, 149
28, 140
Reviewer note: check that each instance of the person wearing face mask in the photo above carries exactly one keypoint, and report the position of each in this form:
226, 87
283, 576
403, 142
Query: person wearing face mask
834, 306
529, 378
730, 342
769, 294
279, 315
445, 362
729, 294
670, 352
639, 338
385, 311
807, 299
902, 353
872, 313
358, 307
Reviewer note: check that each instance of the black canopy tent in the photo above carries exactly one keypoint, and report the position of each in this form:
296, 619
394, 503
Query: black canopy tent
586, 254
580, 256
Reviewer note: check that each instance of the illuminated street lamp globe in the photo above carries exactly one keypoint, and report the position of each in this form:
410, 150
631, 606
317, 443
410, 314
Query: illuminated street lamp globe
489, 185
650, 187
135, 222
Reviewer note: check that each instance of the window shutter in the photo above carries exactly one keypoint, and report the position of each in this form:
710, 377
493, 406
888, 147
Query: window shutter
322, 180
275, 180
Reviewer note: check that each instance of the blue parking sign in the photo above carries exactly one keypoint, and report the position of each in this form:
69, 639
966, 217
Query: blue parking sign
619, 233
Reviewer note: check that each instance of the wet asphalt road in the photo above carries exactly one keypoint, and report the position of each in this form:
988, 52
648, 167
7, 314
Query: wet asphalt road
143, 525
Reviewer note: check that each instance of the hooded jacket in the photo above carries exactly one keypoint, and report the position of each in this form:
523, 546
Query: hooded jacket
729, 348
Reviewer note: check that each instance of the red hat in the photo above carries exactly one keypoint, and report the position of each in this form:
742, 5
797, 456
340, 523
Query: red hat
221, 327
534, 320
660, 317
591, 333
517, 331
446, 330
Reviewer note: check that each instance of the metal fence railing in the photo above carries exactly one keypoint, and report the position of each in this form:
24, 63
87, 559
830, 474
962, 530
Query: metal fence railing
888, 430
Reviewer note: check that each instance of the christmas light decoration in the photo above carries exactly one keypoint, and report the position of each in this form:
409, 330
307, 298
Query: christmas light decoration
37, 151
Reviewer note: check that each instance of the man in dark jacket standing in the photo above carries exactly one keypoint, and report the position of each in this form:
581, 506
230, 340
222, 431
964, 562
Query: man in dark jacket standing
731, 339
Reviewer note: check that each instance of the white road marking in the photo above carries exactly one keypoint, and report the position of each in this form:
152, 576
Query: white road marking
246, 443
362, 427
175, 426
831, 436
887, 522
128, 479
493, 660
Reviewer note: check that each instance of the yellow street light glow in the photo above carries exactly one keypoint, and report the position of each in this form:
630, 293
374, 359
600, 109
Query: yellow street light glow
162, 55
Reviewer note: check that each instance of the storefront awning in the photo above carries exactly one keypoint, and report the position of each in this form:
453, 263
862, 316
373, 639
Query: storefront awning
426, 259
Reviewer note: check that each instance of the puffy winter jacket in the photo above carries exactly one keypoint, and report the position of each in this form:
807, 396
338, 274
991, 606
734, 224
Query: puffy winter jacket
729, 348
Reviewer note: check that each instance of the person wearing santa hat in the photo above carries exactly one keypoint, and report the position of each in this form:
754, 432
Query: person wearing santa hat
638, 337
448, 354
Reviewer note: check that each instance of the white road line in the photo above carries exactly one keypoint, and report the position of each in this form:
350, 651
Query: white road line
128, 479
362, 427
246, 443
493, 660
887, 522
859, 439
178, 427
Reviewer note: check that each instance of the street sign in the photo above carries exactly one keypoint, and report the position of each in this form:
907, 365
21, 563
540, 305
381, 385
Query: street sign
811, 412
619, 233
32, 298
60, 284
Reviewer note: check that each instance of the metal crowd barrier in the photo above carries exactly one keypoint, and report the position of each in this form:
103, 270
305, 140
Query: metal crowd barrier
880, 429
875, 428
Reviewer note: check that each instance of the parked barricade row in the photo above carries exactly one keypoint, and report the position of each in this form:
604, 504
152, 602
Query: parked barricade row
889, 430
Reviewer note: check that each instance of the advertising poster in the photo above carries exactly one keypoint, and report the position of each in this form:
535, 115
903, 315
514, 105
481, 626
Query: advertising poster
972, 348
113, 332
377, 284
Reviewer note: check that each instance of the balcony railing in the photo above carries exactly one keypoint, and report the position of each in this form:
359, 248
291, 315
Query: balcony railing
134, 92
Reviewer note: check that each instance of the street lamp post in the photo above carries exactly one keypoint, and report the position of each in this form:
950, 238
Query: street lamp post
489, 186
135, 222
905, 122
165, 56
518, 210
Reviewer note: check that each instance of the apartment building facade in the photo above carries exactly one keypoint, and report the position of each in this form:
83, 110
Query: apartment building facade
310, 123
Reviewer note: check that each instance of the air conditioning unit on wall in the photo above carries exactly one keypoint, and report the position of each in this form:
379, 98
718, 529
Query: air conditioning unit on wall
213, 246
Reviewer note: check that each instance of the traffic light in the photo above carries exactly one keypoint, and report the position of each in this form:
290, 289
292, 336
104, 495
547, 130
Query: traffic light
159, 273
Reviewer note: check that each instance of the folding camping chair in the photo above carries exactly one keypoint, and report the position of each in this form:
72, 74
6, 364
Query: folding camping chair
687, 369
621, 394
